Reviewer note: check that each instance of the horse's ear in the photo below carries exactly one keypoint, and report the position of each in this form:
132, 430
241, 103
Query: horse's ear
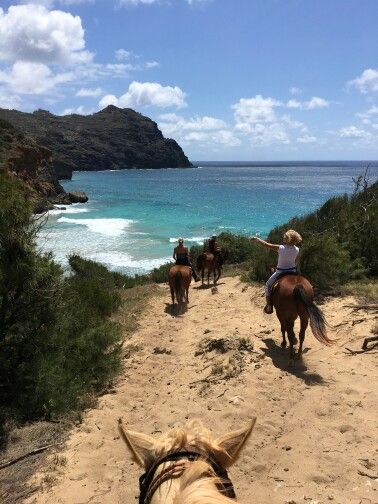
141, 445
232, 443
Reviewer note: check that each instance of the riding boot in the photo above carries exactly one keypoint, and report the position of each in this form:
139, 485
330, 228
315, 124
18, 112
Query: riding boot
268, 307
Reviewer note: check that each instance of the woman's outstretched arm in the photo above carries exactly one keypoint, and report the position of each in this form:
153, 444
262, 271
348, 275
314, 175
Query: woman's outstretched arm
271, 246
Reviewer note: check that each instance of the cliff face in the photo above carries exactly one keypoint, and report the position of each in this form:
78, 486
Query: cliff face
113, 138
23, 158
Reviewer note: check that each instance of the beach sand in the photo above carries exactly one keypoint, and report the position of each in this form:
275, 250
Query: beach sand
315, 437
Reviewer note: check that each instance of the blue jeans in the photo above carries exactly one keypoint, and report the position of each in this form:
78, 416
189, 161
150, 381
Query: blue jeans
273, 278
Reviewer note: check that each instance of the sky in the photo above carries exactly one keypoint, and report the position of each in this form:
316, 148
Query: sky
228, 79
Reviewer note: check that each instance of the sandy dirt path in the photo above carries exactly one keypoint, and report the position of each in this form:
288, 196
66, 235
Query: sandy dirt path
315, 437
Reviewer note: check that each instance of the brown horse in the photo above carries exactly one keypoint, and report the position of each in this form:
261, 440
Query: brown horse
210, 262
187, 465
292, 297
179, 278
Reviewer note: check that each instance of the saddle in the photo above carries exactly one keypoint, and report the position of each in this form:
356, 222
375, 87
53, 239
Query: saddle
284, 273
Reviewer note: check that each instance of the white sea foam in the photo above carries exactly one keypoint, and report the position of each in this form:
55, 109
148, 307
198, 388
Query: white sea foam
194, 239
124, 260
69, 209
109, 227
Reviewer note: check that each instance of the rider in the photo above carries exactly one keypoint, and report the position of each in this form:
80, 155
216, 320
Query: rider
287, 258
214, 248
181, 256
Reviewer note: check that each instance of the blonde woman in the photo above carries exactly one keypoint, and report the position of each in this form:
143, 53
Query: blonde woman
287, 259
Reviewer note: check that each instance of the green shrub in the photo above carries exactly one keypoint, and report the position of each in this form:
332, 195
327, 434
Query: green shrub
160, 274
326, 263
57, 344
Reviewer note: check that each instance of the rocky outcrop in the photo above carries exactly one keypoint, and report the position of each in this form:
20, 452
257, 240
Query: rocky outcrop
22, 157
78, 197
113, 138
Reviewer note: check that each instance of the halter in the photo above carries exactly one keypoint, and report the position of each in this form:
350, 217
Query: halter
148, 484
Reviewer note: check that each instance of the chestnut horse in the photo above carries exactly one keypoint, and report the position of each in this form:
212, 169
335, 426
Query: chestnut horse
292, 297
208, 261
186, 465
179, 278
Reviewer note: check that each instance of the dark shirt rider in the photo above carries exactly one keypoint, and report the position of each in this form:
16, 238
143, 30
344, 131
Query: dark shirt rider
181, 256
214, 248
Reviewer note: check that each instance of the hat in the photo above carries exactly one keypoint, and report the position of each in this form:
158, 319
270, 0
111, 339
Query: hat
181, 240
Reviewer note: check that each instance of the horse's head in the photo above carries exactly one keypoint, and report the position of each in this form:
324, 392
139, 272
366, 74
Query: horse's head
178, 446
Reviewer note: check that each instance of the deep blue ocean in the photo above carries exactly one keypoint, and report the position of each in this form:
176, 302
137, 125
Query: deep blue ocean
134, 217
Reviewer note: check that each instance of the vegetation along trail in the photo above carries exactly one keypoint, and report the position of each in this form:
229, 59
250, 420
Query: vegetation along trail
221, 361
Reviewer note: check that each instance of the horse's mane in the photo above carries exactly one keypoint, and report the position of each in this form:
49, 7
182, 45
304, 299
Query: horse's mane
199, 484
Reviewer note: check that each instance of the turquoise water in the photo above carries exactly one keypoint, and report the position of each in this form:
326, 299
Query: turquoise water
134, 217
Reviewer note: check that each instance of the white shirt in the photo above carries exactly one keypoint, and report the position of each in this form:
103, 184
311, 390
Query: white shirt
286, 256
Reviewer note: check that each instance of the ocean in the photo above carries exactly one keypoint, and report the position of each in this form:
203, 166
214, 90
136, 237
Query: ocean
134, 217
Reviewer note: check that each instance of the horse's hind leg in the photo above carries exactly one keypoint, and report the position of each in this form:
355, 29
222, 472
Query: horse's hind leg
172, 295
292, 340
283, 331
302, 332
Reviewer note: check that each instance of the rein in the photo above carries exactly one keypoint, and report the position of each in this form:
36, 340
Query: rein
148, 484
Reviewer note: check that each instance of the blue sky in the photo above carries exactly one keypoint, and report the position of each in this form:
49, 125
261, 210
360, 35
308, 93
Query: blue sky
228, 79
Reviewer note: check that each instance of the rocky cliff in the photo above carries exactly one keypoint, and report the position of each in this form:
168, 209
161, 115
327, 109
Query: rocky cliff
113, 138
22, 157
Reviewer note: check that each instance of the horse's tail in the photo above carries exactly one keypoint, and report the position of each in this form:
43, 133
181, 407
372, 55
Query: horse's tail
179, 287
318, 322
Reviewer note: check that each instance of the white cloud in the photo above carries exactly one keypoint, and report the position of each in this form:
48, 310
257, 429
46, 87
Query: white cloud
147, 94
295, 90
255, 110
294, 104
152, 64
34, 34
119, 68
78, 110
32, 78
256, 118
305, 139
178, 124
367, 82
367, 116
137, 2
88, 92
204, 130
51, 3
122, 54
314, 103
354, 132
204, 123
221, 137
268, 134
108, 100
8, 101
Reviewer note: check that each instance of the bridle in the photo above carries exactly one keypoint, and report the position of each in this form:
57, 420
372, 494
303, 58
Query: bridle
148, 483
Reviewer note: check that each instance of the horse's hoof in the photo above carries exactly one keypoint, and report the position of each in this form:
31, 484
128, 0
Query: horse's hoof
283, 344
298, 357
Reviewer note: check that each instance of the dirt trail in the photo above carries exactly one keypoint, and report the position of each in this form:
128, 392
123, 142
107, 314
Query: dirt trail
314, 441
